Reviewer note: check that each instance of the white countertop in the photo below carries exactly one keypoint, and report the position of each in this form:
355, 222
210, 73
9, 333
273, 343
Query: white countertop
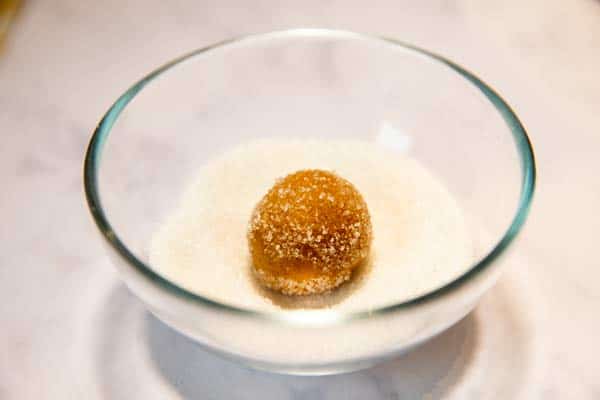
69, 328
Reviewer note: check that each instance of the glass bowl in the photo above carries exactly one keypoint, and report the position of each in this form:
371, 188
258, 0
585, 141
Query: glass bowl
295, 84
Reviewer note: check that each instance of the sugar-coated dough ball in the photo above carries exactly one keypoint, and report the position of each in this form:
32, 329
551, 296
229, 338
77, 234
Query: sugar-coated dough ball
308, 233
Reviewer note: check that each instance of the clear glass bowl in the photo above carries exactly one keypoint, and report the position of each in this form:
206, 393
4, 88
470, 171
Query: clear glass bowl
306, 83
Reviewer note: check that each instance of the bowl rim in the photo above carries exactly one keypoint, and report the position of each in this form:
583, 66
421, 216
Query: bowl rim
93, 160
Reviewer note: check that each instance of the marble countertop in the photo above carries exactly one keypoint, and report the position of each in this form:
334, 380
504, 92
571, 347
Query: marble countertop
69, 328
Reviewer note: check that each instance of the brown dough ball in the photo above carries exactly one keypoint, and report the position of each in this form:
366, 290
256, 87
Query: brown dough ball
308, 233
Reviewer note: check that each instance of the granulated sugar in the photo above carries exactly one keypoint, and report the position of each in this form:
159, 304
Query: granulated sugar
420, 238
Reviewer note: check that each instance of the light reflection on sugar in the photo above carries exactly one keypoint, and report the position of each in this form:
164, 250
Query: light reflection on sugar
392, 138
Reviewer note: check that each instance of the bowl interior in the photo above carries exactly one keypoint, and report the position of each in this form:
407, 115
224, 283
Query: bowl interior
310, 84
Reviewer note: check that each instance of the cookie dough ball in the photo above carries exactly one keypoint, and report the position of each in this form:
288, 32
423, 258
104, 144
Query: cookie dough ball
308, 233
